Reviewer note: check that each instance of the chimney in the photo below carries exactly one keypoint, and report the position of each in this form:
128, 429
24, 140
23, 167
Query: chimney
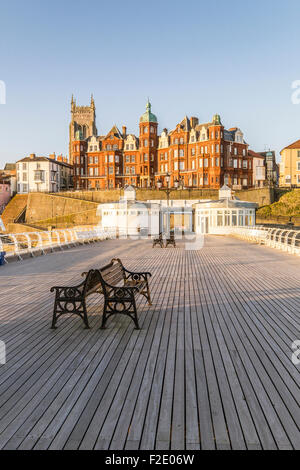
32, 156
194, 122
124, 130
52, 156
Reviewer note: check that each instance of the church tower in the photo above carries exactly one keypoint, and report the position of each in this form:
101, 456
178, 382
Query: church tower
83, 120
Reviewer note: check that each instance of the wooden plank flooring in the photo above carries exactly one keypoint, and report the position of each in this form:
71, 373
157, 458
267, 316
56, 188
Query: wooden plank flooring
211, 367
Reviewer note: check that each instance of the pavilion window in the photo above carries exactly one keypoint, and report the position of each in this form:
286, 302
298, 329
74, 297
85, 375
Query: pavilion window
234, 218
220, 218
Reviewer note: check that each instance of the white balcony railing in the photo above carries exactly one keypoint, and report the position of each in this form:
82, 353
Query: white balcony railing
282, 239
31, 243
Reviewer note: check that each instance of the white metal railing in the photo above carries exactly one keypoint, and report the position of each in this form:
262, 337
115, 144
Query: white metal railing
282, 239
20, 244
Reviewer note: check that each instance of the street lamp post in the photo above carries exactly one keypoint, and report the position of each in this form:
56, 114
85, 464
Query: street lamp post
167, 190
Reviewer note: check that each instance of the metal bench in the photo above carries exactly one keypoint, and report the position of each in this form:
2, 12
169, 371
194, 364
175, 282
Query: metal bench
117, 284
119, 287
158, 241
72, 300
171, 240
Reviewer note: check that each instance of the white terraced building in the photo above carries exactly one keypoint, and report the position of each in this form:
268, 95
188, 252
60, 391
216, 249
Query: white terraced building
132, 217
43, 174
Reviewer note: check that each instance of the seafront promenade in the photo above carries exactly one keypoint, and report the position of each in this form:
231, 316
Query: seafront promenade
211, 367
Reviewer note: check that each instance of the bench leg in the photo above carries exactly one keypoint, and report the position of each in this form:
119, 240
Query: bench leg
85, 317
54, 318
104, 317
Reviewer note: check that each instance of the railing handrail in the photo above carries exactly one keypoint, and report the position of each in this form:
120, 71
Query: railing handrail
19, 244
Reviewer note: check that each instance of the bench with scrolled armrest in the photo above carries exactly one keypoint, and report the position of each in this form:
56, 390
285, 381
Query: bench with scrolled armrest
117, 284
72, 300
171, 240
158, 241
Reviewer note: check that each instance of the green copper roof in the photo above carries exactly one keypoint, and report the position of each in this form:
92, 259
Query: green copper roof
148, 116
217, 120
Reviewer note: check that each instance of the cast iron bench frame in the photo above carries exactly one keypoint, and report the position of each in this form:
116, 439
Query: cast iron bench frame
119, 293
72, 300
121, 298
171, 240
158, 241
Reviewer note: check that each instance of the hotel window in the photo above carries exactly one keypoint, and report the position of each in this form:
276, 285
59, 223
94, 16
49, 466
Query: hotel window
96, 171
127, 147
206, 149
212, 135
217, 148
161, 168
192, 139
91, 171
24, 176
145, 143
202, 150
176, 141
206, 180
244, 152
117, 158
245, 182
127, 158
217, 134
201, 181
181, 165
212, 161
152, 129
82, 172
82, 160
77, 171
145, 157
145, 130
200, 163
111, 158
77, 160
217, 161
91, 160
115, 147
235, 151
175, 166
245, 166
298, 178
96, 159
181, 153
193, 151
25, 188
91, 148
235, 163
131, 147
111, 170
132, 170
182, 140
205, 162
24, 166
193, 164
212, 148
175, 153
152, 143
132, 159
127, 170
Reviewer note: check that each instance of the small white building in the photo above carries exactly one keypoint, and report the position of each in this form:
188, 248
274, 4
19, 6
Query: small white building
43, 174
131, 217
219, 217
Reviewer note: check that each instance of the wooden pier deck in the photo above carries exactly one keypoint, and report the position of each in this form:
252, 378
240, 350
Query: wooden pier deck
211, 367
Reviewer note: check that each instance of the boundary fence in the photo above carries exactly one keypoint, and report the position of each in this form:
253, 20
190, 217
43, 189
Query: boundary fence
42, 242
282, 239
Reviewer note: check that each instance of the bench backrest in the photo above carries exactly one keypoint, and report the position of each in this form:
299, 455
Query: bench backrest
113, 273
92, 281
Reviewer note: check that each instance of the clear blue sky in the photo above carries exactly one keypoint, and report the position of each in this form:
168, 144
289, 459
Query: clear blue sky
236, 58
